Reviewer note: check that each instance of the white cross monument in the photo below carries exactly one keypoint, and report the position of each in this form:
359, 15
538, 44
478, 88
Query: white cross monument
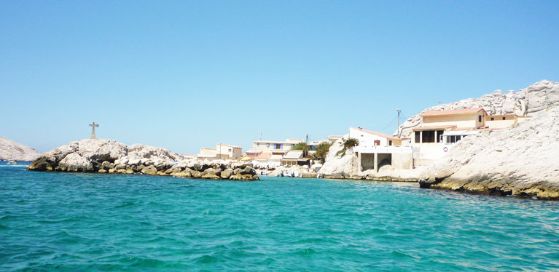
93, 126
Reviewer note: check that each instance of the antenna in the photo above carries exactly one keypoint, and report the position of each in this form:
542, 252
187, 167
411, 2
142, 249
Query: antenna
399, 111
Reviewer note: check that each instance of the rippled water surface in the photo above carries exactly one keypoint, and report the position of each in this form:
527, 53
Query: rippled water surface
85, 222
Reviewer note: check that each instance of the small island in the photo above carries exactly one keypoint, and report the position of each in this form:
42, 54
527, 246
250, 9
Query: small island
112, 157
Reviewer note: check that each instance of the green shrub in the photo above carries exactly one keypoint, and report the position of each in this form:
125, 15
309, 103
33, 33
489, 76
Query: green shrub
322, 150
347, 144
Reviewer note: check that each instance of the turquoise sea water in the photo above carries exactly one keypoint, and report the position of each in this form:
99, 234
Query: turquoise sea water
88, 222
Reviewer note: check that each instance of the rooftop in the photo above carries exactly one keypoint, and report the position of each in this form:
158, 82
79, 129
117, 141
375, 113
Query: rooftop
228, 145
293, 154
380, 134
442, 127
288, 141
432, 113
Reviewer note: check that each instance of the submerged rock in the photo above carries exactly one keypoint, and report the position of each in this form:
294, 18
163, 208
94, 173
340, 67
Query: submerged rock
107, 156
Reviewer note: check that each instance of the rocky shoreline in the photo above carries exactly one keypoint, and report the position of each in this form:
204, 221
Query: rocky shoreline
111, 157
541, 190
520, 161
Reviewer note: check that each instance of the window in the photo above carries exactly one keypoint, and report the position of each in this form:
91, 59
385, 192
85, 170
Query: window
277, 146
453, 139
428, 136
377, 142
479, 118
390, 143
492, 119
440, 136
504, 118
449, 139
418, 136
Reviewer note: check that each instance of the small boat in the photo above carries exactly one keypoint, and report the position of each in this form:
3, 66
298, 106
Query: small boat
10, 162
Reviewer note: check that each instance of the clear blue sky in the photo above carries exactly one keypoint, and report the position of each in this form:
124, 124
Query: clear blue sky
186, 74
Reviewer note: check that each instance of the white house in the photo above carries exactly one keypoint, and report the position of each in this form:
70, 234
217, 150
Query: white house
377, 149
271, 150
440, 129
222, 152
373, 138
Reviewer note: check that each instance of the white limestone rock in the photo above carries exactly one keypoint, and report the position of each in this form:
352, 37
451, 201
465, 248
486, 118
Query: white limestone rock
144, 155
521, 161
97, 151
338, 166
12, 151
74, 162
107, 156
537, 97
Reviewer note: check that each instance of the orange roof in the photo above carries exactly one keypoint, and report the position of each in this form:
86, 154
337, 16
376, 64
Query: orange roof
451, 112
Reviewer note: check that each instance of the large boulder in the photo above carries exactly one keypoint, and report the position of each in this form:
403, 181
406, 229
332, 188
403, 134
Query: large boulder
149, 170
196, 174
226, 174
182, 174
102, 150
42, 164
246, 177
75, 163
339, 165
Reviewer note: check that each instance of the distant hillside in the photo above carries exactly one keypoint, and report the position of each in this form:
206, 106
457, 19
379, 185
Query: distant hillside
10, 150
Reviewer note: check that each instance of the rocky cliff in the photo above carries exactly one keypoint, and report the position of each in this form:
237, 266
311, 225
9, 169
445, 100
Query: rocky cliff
12, 151
522, 161
107, 156
537, 97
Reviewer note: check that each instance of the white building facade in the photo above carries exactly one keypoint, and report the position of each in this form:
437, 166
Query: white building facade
376, 150
221, 152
